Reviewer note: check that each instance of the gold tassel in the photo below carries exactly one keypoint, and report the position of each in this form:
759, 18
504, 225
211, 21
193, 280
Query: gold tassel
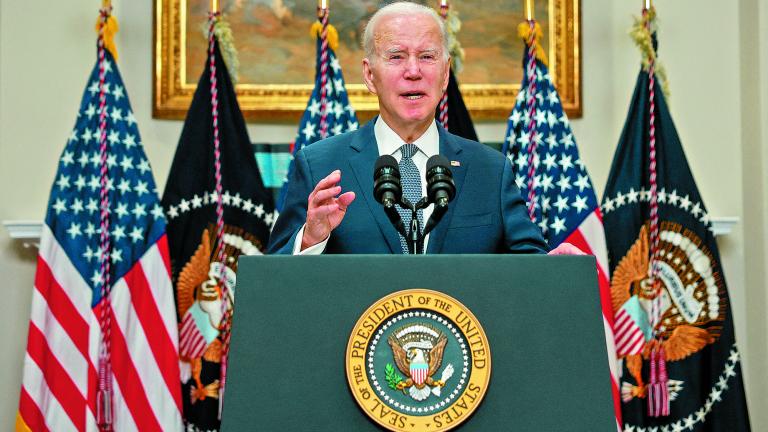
642, 38
524, 32
223, 33
452, 27
333, 35
110, 28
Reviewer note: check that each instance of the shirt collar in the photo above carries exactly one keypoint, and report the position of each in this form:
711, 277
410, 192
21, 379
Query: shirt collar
389, 142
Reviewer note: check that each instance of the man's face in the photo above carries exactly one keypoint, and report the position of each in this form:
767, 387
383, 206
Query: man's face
408, 71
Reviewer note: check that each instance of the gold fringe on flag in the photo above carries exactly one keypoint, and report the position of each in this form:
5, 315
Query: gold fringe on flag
524, 32
641, 34
223, 33
452, 27
333, 34
110, 28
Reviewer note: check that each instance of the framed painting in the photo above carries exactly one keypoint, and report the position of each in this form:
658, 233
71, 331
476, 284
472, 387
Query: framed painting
277, 55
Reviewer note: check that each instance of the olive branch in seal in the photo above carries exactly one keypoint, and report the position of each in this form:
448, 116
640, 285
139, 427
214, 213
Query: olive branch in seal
393, 378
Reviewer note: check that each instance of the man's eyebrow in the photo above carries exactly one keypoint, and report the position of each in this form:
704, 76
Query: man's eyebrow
398, 50
394, 50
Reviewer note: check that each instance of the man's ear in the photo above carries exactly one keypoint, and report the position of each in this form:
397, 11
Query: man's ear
446, 78
368, 76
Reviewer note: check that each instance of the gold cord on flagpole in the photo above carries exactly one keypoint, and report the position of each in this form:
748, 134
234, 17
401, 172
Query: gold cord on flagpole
529, 9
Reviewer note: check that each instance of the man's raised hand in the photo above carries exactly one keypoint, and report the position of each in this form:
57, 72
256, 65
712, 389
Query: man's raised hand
325, 209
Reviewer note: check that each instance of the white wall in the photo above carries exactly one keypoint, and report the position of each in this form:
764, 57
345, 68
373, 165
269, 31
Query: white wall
716, 54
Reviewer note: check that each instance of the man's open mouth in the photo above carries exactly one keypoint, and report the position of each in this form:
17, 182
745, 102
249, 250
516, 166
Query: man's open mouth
413, 95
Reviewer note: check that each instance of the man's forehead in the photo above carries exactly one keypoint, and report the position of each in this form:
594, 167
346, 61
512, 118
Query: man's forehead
405, 33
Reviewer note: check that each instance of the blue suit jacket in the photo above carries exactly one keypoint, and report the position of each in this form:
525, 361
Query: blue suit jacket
487, 215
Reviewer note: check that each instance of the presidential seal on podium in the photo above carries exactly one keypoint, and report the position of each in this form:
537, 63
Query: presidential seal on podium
418, 360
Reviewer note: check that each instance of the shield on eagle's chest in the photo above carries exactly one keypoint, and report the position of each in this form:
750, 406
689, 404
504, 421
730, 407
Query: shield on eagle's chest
419, 372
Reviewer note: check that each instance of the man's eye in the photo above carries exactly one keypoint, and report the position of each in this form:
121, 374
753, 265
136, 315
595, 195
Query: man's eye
395, 57
428, 57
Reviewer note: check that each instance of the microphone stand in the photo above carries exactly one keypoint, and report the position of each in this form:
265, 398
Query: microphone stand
415, 237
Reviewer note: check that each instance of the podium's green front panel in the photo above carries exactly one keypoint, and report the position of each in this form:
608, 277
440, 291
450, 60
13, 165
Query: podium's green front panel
294, 317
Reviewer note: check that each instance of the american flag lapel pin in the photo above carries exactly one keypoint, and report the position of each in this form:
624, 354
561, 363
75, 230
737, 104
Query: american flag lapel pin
455, 163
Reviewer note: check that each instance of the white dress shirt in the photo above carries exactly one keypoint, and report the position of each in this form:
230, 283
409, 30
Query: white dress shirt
389, 143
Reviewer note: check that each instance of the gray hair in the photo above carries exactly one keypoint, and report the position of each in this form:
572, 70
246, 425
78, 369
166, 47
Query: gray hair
401, 8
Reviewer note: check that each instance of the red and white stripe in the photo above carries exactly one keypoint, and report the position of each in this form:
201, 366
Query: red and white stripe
191, 341
590, 238
60, 380
419, 373
629, 338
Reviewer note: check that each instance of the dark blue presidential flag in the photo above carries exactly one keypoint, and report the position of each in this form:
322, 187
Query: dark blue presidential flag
218, 209
338, 117
458, 118
674, 324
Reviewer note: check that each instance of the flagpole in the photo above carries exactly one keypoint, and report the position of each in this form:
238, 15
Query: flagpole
443, 105
658, 393
529, 10
214, 6
322, 15
530, 69
104, 392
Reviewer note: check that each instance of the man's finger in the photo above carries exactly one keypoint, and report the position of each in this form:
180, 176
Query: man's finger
345, 199
324, 210
324, 194
329, 180
566, 249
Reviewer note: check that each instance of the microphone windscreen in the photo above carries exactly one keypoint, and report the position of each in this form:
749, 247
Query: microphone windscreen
438, 160
386, 161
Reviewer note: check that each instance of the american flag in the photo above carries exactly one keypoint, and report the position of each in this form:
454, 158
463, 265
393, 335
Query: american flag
565, 205
60, 378
340, 115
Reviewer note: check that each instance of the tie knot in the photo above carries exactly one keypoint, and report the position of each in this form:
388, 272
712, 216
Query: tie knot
408, 150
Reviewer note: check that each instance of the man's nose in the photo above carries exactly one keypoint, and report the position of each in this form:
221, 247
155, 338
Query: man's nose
412, 68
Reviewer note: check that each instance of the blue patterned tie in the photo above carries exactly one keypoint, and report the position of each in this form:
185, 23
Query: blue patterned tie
411, 182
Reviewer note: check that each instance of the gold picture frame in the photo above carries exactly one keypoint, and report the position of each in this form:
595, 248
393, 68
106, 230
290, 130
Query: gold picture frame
173, 87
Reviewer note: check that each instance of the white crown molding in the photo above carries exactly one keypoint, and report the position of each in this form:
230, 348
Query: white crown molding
724, 225
28, 231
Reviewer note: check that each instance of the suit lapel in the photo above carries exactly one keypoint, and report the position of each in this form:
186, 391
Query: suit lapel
453, 152
364, 152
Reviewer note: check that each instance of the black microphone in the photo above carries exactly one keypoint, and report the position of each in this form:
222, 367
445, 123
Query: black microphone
387, 189
440, 189
440, 186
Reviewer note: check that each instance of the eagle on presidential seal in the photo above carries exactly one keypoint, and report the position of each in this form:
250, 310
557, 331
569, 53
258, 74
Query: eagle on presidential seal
418, 352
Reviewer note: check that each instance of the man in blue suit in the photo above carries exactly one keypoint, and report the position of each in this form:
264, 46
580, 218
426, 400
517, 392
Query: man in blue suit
407, 67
